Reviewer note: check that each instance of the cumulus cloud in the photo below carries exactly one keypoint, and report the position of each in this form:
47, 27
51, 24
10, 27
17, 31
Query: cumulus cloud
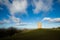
46, 18
15, 6
18, 6
5, 2
51, 19
42, 5
14, 19
17, 21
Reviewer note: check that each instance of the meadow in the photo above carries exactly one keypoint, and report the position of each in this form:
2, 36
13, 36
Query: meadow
36, 34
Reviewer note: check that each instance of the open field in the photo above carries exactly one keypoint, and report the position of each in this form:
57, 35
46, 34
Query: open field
37, 34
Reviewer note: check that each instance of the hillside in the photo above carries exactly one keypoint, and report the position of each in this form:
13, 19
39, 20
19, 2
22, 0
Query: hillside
38, 34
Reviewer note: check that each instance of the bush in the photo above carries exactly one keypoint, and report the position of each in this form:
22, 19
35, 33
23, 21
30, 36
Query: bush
8, 32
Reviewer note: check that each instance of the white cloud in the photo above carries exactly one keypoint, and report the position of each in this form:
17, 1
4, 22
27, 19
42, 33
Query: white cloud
15, 20
6, 21
46, 18
56, 19
15, 6
42, 5
18, 6
12, 19
51, 19
22, 24
5, 2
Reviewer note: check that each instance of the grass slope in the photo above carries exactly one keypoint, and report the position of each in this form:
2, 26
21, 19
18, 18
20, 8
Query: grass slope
38, 34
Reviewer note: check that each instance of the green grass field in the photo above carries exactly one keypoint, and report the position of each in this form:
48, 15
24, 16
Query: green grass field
37, 34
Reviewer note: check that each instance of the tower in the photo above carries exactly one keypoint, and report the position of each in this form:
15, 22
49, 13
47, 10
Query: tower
39, 25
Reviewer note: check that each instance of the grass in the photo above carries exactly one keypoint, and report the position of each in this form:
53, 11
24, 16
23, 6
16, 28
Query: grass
38, 34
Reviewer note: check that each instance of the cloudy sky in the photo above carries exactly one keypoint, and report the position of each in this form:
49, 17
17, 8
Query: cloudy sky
27, 13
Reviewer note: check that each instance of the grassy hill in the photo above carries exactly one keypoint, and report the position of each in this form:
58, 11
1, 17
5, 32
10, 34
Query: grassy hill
38, 34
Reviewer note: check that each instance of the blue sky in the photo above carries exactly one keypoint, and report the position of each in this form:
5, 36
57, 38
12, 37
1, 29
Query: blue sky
27, 13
